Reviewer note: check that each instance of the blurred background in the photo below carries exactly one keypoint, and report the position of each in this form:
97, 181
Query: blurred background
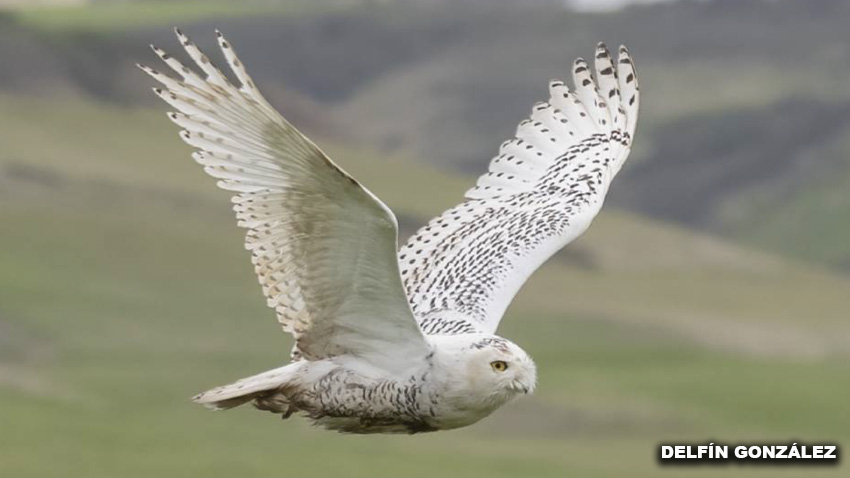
709, 301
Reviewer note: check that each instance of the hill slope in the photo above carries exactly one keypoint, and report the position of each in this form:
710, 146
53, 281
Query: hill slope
744, 115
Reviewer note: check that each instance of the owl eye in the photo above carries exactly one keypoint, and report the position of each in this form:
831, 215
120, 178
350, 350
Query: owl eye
499, 365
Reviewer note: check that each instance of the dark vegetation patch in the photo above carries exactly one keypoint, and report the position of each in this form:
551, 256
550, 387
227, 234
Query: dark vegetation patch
700, 162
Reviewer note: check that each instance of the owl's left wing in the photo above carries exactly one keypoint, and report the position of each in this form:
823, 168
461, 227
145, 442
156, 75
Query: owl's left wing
462, 270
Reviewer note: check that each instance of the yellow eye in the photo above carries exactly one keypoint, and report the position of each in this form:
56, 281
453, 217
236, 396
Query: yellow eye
499, 366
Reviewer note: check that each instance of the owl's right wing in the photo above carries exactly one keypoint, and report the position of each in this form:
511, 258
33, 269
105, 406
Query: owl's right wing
322, 245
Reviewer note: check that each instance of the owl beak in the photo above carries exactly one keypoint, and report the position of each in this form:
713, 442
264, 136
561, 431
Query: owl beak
519, 386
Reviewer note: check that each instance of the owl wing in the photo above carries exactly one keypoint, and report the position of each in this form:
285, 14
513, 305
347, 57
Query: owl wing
542, 191
322, 245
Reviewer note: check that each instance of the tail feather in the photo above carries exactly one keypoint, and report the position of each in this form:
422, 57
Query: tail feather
246, 389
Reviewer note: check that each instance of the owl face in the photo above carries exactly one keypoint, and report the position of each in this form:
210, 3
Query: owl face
501, 367
481, 372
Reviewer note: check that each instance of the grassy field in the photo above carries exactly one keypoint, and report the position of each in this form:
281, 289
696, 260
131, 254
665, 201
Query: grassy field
124, 290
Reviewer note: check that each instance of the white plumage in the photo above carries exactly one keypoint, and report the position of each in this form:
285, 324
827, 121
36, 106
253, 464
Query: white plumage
398, 342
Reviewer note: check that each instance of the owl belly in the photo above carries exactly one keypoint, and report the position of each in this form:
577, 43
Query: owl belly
345, 401
348, 402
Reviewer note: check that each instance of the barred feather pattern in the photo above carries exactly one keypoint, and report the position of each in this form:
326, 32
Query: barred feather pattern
350, 403
542, 191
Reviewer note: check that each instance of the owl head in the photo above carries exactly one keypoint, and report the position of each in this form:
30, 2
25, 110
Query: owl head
500, 365
487, 368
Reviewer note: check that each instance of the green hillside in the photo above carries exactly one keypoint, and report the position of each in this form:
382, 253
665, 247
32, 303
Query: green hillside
124, 290
744, 117
744, 111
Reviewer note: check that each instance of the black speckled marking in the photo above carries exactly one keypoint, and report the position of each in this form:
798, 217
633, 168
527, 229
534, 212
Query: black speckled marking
347, 402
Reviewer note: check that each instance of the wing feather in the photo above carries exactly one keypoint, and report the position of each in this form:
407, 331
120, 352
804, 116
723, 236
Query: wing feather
322, 245
541, 191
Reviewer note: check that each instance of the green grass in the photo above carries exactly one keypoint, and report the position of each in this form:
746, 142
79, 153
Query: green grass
102, 17
125, 290
140, 149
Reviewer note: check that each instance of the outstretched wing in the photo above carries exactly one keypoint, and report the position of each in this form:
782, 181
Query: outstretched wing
542, 191
323, 246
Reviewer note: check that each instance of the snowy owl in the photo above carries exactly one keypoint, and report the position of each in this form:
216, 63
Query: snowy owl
392, 340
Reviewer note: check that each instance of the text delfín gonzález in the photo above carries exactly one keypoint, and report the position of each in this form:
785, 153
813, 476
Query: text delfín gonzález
790, 452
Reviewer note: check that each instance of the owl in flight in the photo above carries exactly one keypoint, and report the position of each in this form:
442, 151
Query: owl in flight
392, 340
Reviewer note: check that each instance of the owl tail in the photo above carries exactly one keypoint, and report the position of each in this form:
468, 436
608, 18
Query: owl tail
251, 388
